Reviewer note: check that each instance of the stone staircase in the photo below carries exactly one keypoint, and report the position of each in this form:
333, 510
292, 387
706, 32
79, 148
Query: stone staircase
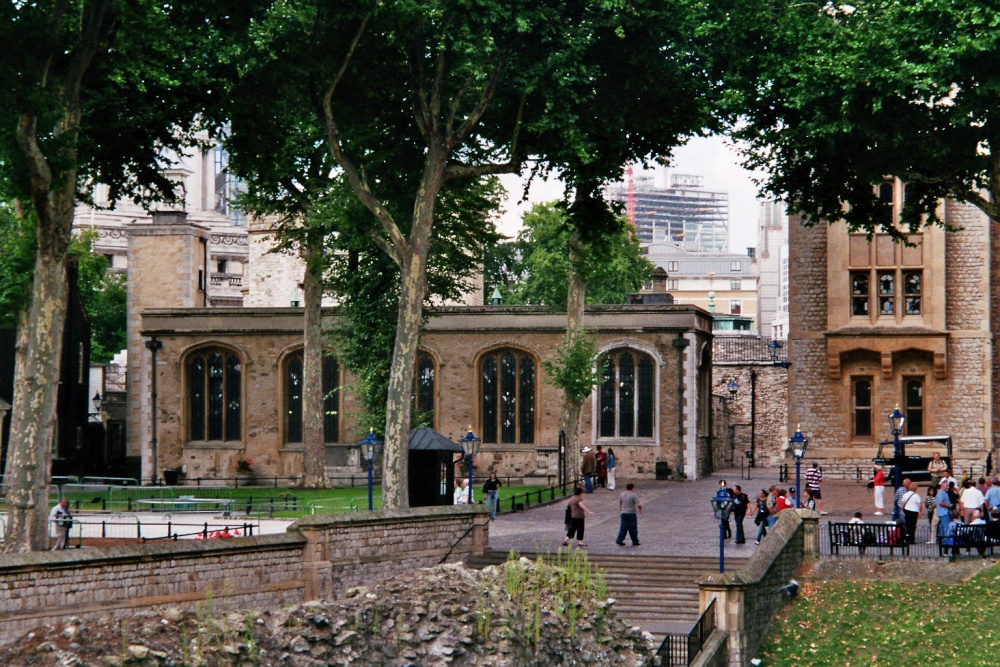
656, 593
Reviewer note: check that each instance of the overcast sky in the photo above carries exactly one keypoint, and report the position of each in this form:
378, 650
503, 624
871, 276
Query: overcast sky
711, 158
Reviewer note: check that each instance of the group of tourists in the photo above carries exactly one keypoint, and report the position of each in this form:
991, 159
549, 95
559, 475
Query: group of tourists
629, 509
598, 468
463, 495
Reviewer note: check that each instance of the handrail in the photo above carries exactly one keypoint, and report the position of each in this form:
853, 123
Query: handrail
683, 649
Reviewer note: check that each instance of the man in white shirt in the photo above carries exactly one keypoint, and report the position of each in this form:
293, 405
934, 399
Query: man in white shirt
972, 499
61, 519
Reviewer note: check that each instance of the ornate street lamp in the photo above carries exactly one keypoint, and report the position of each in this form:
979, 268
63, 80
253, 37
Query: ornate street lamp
798, 444
733, 388
896, 421
774, 348
97, 402
722, 505
470, 445
371, 447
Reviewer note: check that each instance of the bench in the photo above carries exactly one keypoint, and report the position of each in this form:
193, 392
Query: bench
968, 538
864, 536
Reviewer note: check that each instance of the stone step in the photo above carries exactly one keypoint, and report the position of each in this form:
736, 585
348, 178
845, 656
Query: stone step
656, 593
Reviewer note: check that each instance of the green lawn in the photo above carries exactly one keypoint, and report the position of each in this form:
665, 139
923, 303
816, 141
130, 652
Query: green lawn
852, 623
279, 502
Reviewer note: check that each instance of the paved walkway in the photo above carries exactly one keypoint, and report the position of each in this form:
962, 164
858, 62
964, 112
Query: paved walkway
677, 518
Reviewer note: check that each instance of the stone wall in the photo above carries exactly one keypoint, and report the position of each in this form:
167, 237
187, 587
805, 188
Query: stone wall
748, 599
317, 558
763, 395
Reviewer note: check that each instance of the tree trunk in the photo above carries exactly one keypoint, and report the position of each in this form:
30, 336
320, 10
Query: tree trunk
569, 411
314, 447
412, 292
33, 414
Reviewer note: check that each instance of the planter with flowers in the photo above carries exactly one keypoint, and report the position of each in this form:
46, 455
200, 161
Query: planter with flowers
244, 470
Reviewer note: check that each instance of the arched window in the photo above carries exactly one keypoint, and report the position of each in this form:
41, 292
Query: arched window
508, 395
293, 398
214, 391
625, 399
913, 399
862, 390
423, 389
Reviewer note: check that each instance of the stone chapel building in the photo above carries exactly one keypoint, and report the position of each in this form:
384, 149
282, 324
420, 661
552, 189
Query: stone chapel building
208, 385
875, 324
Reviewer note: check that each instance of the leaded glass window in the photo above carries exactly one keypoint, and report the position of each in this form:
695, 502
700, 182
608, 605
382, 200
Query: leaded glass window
214, 393
423, 394
294, 385
913, 390
862, 407
626, 397
508, 397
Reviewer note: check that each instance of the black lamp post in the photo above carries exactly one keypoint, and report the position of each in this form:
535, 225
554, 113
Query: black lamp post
798, 444
896, 421
733, 387
470, 445
722, 505
371, 447
774, 348
97, 402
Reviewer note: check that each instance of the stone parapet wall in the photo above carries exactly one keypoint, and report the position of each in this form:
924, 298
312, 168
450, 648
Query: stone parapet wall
44, 587
748, 599
351, 549
317, 558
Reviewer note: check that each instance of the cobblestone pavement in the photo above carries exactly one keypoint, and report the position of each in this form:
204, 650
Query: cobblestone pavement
677, 519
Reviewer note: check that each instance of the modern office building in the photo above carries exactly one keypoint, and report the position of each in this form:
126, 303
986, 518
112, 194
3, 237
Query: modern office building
772, 239
685, 214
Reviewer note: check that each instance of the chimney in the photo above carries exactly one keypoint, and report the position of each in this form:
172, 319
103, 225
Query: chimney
659, 280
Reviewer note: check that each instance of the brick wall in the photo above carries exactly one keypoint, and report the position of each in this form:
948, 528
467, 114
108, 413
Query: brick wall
317, 558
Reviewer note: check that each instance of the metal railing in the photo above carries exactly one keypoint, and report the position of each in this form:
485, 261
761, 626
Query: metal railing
745, 349
135, 528
920, 547
522, 501
683, 649
330, 505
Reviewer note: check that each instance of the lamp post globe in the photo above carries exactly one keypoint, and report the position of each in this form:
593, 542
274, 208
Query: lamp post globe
798, 444
896, 422
370, 449
470, 445
722, 505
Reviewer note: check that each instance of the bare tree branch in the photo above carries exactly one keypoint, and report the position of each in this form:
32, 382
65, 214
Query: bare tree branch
474, 117
512, 166
354, 178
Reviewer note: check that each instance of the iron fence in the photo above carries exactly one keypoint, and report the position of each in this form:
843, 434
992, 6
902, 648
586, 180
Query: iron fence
747, 349
138, 528
683, 649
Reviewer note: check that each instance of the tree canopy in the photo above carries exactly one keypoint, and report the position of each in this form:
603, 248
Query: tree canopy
832, 100
612, 265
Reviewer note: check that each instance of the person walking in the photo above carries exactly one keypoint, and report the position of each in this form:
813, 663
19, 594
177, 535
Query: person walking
761, 516
577, 513
878, 486
61, 518
588, 466
491, 494
630, 509
814, 475
611, 463
740, 503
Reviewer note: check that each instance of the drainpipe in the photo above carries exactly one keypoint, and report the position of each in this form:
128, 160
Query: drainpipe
680, 343
153, 345
753, 418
